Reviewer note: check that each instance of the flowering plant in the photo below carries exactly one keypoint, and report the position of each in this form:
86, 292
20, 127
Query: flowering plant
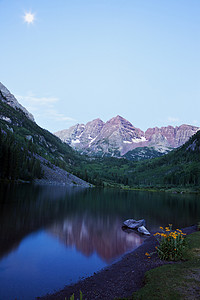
171, 243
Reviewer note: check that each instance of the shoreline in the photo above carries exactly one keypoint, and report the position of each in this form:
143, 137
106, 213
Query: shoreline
45, 181
121, 279
172, 190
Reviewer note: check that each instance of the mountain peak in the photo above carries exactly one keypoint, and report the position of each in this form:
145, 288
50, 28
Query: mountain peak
118, 118
95, 121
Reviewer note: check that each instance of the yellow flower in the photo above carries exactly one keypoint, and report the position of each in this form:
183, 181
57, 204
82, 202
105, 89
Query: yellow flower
161, 227
163, 235
147, 254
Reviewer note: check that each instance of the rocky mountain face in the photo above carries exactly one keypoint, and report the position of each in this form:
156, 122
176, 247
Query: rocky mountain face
8, 98
171, 136
118, 137
143, 153
81, 136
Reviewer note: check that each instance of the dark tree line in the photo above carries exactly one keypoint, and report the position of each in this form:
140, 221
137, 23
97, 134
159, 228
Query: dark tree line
188, 176
17, 161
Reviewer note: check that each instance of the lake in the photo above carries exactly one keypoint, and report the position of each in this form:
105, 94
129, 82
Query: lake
51, 236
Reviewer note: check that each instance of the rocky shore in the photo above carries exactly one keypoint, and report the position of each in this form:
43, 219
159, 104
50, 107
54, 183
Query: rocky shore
120, 279
54, 175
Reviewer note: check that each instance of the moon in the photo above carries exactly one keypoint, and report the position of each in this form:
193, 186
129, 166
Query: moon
29, 18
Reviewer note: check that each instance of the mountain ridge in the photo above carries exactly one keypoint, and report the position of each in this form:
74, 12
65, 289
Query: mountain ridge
8, 98
118, 136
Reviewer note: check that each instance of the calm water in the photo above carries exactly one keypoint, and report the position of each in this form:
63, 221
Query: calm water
52, 236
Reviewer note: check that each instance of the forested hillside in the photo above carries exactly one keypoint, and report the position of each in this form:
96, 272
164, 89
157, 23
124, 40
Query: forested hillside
180, 167
19, 135
17, 162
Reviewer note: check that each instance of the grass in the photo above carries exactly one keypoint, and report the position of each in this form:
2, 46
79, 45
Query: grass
175, 281
72, 297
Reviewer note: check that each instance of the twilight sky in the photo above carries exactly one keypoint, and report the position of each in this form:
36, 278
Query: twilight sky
78, 60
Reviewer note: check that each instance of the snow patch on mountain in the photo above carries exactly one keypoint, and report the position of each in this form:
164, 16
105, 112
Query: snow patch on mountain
77, 141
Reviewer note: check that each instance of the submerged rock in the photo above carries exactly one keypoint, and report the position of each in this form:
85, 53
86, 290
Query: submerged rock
133, 224
139, 225
143, 230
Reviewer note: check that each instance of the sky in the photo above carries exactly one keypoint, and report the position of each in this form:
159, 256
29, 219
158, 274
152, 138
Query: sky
72, 61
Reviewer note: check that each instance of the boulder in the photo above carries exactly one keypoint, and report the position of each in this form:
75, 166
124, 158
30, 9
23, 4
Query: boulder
143, 230
133, 224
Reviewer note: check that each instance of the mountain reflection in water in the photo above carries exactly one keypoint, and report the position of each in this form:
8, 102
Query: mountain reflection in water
101, 235
84, 219
88, 219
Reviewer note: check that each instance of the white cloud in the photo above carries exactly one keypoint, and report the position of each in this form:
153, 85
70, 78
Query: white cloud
31, 100
56, 116
173, 119
43, 107
195, 122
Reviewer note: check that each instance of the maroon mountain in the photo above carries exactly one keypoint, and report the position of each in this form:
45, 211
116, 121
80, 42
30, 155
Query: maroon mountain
118, 136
